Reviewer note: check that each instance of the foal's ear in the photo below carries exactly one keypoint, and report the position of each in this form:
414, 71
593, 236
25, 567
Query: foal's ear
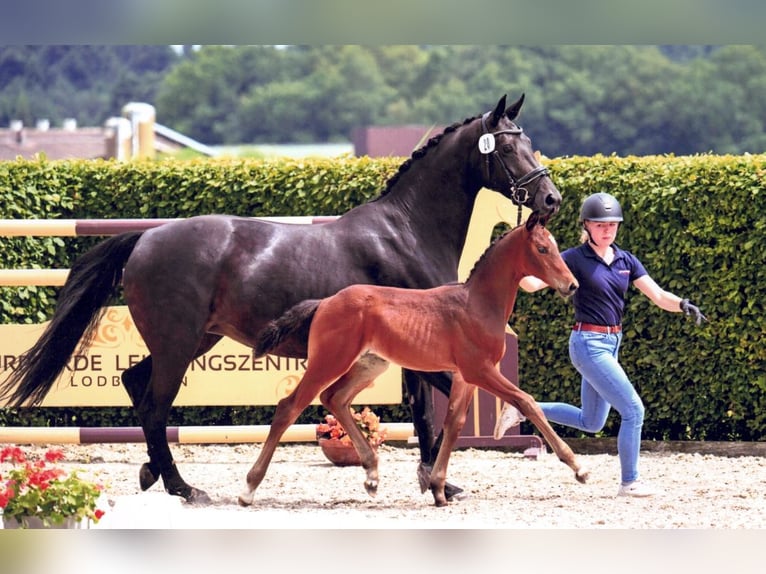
536, 219
499, 111
532, 220
513, 109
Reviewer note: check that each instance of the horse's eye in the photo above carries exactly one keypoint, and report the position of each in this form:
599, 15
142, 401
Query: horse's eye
543, 250
507, 148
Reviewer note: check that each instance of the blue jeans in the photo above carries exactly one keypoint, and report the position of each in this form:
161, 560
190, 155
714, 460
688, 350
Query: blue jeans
604, 385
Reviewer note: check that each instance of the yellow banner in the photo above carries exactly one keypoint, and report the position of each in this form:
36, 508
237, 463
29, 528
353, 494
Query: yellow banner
226, 375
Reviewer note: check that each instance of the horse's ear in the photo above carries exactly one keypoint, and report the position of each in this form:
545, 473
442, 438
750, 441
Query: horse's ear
499, 111
513, 109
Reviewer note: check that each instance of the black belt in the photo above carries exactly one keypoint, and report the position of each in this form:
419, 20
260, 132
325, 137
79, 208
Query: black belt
606, 329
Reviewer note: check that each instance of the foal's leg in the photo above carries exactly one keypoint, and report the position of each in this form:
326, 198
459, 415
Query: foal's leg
419, 386
319, 374
491, 380
459, 400
287, 411
338, 397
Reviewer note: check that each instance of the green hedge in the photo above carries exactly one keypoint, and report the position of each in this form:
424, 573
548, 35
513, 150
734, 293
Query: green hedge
695, 222
697, 225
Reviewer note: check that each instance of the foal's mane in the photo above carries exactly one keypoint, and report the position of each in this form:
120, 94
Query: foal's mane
421, 152
481, 259
533, 221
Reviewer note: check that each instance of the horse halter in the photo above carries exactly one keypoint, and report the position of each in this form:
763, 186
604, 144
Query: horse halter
519, 192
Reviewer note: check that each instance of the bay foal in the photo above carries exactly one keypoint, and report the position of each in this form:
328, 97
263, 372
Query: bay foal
458, 328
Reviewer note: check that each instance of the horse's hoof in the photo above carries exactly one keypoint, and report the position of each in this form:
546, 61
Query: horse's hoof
454, 493
245, 499
371, 486
440, 500
197, 497
424, 477
146, 478
582, 476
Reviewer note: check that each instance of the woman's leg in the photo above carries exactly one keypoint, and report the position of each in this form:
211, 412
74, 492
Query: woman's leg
590, 417
595, 356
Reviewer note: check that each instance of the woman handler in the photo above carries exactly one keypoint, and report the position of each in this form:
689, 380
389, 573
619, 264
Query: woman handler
604, 272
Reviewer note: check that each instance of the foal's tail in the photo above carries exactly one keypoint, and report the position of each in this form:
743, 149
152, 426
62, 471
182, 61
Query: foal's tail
90, 285
294, 324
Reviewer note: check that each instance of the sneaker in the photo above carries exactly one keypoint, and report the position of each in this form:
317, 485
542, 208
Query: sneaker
509, 417
636, 489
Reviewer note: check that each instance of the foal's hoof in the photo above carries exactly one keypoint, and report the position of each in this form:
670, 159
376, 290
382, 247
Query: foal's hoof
246, 498
452, 493
371, 486
146, 478
582, 475
440, 500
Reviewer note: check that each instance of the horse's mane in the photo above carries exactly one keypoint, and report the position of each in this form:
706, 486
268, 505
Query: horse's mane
422, 151
486, 251
534, 220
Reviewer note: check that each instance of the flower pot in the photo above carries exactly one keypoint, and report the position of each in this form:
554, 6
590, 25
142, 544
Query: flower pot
35, 522
340, 452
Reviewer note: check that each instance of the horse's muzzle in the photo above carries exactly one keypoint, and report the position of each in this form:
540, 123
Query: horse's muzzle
551, 202
567, 292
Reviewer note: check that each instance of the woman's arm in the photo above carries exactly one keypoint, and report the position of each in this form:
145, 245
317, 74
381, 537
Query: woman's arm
666, 300
659, 296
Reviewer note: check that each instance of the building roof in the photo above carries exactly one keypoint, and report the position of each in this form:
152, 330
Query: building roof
55, 143
392, 141
82, 143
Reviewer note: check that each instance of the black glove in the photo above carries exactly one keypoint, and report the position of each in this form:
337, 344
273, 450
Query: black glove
693, 310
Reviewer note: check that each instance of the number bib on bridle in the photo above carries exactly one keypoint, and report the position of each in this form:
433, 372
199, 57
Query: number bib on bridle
519, 192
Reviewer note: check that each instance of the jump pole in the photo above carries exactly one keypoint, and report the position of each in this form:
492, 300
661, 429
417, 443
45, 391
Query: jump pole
89, 228
181, 435
92, 227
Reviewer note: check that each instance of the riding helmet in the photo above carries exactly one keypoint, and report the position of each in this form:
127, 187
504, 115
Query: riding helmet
600, 207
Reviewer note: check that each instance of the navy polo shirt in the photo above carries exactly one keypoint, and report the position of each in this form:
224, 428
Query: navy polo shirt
600, 299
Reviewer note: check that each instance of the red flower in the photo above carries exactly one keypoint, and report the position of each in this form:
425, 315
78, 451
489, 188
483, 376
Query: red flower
33, 488
5, 496
54, 455
13, 454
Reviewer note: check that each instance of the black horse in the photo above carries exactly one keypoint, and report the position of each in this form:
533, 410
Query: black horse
189, 283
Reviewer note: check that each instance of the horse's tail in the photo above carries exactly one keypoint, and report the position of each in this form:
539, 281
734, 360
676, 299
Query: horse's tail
294, 324
90, 285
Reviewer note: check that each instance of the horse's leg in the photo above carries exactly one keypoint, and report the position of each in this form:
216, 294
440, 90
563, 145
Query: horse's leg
135, 379
457, 408
152, 409
287, 411
491, 380
319, 374
422, 409
338, 397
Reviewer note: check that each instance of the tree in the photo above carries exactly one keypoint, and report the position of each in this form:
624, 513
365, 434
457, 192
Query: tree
89, 83
580, 99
